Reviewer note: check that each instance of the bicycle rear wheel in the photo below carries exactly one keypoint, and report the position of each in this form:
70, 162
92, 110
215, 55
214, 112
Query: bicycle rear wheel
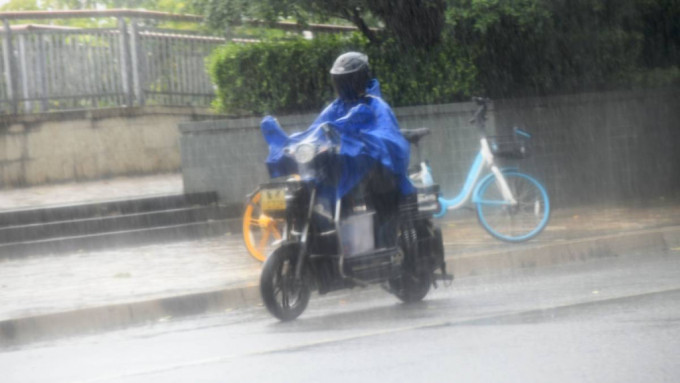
513, 223
259, 230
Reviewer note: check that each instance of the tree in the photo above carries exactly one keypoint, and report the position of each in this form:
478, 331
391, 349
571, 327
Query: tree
171, 6
528, 47
410, 22
177, 6
20, 5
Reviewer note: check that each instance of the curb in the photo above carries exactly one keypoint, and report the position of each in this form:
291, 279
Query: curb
20, 331
566, 252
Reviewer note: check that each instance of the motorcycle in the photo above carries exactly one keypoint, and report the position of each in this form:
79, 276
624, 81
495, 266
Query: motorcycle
330, 243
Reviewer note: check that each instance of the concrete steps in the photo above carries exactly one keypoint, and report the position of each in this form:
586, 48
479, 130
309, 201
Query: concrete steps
62, 229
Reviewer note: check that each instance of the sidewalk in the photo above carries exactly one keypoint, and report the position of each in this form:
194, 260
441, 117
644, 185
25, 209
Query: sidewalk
87, 192
54, 284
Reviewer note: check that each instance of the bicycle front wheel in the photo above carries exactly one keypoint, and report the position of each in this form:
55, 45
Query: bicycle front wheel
259, 230
513, 223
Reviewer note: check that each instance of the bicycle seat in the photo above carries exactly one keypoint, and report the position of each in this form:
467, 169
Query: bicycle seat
414, 135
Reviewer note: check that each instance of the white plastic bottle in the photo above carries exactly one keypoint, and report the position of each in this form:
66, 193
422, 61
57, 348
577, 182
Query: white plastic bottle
425, 174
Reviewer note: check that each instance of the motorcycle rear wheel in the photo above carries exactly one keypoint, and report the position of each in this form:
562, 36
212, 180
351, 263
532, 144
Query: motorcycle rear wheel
411, 288
413, 285
284, 297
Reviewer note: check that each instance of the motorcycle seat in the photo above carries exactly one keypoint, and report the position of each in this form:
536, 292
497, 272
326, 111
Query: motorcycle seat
414, 135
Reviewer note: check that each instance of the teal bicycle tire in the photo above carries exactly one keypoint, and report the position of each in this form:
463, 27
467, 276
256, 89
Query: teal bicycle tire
487, 203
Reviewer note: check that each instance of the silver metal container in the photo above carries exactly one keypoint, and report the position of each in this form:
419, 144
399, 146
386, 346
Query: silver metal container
356, 234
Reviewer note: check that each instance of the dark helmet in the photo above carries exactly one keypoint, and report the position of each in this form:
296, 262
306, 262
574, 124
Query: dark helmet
350, 74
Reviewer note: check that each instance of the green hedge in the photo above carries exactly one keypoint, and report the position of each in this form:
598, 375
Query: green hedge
292, 76
272, 76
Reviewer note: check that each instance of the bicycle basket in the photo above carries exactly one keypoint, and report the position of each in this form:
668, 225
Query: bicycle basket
515, 146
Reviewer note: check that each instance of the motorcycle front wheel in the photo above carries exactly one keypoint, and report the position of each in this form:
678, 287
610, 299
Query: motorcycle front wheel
284, 297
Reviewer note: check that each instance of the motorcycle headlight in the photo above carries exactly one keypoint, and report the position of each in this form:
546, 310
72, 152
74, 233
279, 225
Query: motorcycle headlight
305, 153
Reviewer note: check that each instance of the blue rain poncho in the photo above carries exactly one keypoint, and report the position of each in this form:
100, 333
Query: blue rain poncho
369, 134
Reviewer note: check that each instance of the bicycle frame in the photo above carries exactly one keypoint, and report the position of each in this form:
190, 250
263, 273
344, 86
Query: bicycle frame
483, 159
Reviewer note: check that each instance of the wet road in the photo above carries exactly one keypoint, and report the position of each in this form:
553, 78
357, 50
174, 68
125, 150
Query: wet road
610, 320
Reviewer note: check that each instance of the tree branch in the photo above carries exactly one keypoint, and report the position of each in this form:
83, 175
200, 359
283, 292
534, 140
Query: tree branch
355, 17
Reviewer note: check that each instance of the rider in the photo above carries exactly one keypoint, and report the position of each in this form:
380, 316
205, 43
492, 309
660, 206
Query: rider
372, 120
385, 181
374, 154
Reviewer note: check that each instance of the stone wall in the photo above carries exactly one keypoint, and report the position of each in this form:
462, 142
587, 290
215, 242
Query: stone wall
74, 146
228, 156
603, 147
590, 148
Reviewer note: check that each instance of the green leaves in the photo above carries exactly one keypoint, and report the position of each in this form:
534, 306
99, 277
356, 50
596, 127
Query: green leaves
499, 48
273, 76
535, 47
292, 76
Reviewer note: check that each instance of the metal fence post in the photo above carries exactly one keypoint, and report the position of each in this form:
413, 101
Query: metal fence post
10, 68
125, 63
137, 64
41, 77
23, 69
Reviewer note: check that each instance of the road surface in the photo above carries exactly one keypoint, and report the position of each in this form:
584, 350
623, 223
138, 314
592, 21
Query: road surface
607, 320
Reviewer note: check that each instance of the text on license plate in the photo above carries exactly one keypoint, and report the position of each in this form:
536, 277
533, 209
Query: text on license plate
273, 199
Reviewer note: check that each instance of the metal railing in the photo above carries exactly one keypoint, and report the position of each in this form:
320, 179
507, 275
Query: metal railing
50, 68
55, 68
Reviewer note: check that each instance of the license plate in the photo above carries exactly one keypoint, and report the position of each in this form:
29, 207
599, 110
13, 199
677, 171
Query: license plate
273, 199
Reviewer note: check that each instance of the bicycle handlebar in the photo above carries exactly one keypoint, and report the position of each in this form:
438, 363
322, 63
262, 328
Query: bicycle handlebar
481, 100
480, 114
